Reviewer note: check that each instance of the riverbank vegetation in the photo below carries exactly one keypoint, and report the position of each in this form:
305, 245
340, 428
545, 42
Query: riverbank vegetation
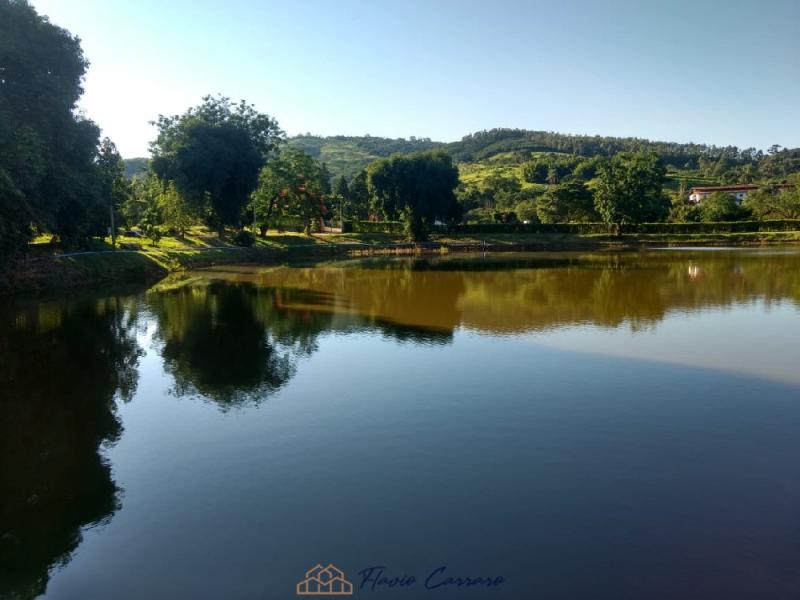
227, 170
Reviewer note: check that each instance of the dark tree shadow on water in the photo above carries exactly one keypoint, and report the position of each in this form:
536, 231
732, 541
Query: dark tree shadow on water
62, 369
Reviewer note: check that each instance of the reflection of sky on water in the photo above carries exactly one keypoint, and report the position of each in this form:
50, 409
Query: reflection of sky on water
757, 338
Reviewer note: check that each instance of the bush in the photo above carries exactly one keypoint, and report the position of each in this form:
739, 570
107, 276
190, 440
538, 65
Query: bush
153, 233
721, 207
244, 238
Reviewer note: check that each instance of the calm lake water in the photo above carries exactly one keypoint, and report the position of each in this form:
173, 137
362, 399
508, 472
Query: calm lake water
583, 426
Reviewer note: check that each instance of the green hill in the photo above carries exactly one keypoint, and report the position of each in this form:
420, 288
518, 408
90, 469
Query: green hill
502, 152
347, 155
134, 166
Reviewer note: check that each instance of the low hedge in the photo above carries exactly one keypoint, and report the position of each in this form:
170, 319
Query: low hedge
473, 228
644, 228
718, 227
396, 227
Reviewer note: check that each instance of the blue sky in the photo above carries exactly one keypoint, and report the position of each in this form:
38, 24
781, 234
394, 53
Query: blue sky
721, 72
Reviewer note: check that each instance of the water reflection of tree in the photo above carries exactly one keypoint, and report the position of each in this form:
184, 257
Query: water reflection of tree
232, 342
239, 336
515, 293
237, 342
61, 368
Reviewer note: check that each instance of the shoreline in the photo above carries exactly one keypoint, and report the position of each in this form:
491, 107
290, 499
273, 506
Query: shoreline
83, 269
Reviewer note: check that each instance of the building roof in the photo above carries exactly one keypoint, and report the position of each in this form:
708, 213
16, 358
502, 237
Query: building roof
744, 187
741, 187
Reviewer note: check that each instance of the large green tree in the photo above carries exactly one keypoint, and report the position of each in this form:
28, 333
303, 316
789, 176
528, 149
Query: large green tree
359, 199
565, 203
114, 186
770, 203
720, 206
214, 153
629, 189
48, 170
417, 189
291, 185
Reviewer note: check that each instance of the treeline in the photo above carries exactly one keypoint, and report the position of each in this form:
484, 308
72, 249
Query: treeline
561, 188
56, 174
377, 146
484, 144
230, 167
726, 164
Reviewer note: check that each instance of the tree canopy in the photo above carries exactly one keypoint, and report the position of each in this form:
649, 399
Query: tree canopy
568, 202
292, 184
629, 189
214, 153
417, 189
48, 152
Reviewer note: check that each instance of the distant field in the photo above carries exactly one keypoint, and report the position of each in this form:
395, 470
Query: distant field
690, 179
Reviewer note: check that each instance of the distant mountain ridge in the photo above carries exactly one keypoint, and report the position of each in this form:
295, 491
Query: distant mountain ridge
346, 155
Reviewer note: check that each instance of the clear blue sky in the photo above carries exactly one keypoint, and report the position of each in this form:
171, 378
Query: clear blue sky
721, 72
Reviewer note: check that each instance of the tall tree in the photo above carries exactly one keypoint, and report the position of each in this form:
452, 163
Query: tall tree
770, 203
416, 188
720, 206
290, 185
360, 199
48, 175
114, 186
214, 153
341, 194
175, 211
629, 190
568, 202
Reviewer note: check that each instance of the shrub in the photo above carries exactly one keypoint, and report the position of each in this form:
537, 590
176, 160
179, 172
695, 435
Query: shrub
244, 238
720, 206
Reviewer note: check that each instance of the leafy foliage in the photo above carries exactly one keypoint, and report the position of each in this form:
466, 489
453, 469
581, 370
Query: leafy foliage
484, 144
629, 189
136, 166
175, 211
48, 174
347, 155
566, 203
213, 153
415, 188
290, 185
769, 203
720, 206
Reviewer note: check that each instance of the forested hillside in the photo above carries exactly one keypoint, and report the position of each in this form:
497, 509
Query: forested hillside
135, 166
347, 155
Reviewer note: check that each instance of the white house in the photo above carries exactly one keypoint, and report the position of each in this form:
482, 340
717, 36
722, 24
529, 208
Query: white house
739, 191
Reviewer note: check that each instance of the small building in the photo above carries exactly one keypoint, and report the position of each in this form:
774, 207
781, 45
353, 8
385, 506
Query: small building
738, 191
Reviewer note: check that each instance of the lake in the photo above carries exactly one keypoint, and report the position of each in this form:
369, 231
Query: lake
548, 425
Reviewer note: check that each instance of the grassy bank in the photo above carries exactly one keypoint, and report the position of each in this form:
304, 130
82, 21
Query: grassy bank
48, 268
